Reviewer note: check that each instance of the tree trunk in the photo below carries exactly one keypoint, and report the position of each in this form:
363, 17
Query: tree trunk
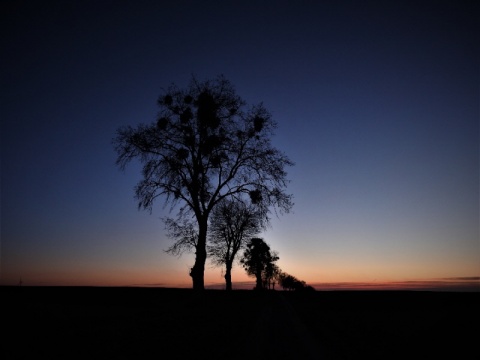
228, 276
198, 270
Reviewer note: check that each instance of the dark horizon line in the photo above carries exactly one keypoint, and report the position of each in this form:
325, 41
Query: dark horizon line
466, 285
427, 284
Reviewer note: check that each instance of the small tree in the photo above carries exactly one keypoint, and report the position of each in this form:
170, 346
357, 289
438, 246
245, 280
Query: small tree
206, 146
270, 275
258, 261
232, 223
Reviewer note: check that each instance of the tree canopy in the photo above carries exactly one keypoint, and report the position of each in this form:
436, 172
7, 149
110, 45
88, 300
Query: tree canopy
205, 146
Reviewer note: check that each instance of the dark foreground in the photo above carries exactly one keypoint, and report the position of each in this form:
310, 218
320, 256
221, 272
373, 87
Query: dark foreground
137, 323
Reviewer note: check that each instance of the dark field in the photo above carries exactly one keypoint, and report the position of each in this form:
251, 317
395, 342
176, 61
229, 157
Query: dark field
134, 323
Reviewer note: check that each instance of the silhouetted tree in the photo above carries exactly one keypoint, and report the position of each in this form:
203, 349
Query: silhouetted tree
206, 146
270, 273
258, 261
232, 223
286, 281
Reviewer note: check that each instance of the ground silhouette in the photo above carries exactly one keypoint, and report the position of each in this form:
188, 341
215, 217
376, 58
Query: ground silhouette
78, 322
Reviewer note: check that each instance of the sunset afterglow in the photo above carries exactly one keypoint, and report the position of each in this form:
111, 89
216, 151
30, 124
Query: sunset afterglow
377, 104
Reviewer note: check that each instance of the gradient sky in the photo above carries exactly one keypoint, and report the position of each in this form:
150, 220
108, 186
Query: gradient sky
377, 104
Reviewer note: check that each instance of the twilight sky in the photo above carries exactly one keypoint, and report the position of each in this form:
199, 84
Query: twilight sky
377, 104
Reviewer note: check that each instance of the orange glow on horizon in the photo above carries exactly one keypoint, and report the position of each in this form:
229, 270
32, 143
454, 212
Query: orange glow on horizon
324, 278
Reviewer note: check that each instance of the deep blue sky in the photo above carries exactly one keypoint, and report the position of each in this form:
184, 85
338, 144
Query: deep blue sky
377, 104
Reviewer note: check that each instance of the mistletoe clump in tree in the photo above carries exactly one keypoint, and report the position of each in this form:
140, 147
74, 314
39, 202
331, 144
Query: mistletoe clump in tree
206, 146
